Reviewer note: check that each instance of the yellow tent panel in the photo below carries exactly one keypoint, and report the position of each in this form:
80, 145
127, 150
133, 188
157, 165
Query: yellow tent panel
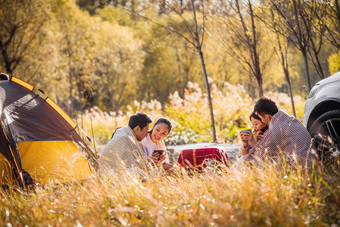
58, 160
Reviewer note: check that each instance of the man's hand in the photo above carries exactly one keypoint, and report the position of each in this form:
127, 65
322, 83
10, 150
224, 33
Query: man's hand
259, 137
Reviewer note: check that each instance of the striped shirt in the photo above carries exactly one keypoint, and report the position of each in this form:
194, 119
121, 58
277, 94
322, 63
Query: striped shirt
122, 151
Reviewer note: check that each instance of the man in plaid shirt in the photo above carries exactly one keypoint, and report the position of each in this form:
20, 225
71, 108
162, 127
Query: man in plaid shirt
286, 138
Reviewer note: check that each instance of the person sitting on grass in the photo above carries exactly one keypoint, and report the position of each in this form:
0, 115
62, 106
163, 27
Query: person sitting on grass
248, 140
123, 151
286, 139
155, 141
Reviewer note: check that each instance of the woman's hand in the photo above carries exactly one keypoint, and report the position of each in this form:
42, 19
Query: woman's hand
157, 159
245, 137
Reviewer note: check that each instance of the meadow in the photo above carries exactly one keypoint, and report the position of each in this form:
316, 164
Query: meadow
271, 196
257, 197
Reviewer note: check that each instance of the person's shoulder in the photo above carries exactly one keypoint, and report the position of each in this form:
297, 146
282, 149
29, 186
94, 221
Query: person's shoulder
282, 117
116, 140
282, 113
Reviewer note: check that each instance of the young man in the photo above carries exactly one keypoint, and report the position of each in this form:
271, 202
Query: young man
286, 138
123, 150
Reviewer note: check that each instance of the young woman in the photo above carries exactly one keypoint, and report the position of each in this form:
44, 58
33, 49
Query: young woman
155, 140
247, 137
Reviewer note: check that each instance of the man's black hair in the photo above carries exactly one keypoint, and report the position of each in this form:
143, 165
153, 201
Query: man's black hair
139, 119
265, 106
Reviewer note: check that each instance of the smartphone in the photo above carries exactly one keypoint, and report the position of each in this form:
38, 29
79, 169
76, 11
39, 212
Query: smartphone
160, 152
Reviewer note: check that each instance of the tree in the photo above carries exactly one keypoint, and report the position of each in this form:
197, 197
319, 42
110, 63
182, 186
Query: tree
77, 49
283, 54
326, 23
119, 60
281, 47
242, 39
21, 24
168, 66
198, 46
194, 36
294, 22
328, 17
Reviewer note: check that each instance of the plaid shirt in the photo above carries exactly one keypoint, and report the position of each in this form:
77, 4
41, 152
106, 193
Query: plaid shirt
286, 138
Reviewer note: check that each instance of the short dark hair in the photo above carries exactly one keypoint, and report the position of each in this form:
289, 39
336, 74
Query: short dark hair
164, 121
265, 106
139, 119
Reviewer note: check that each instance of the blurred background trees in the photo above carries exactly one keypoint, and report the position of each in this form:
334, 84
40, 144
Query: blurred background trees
108, 54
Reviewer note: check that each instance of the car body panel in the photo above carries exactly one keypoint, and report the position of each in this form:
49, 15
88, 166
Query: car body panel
326, 90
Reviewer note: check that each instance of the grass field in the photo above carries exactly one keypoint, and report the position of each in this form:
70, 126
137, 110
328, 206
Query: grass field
257, 197
253, 197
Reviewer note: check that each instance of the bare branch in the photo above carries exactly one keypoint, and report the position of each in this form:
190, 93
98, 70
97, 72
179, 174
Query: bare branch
171, 30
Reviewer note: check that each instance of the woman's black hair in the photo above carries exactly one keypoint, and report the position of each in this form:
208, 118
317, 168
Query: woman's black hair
254, 115
164, 121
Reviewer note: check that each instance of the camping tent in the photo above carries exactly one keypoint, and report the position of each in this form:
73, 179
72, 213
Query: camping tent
38, 137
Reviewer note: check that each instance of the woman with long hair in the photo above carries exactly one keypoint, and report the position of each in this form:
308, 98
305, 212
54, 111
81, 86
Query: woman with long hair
247, 136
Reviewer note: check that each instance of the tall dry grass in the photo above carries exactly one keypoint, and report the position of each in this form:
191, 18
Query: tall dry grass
190, 114
258, 197
252, 197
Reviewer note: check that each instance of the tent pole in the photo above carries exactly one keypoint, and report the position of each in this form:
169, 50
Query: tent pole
14, 158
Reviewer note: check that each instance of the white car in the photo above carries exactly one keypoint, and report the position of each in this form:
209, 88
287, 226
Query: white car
322, 112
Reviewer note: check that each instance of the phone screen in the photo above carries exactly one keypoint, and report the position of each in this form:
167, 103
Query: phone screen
160, 152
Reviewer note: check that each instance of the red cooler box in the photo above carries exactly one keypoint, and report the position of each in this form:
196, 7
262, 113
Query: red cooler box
196, 158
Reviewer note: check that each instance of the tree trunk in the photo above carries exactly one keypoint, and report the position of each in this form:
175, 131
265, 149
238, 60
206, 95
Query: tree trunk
337, 8
290, 90
199, 50
256, 60
6, 59
70, 75
284, 64
162, 6
305, 61
209, 96
302, 42
259, 83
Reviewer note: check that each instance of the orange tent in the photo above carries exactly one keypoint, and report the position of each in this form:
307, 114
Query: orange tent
37, 136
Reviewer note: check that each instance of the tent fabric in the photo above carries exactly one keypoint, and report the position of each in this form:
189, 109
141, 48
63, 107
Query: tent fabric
5, 151
43, 139
57, 160
27, 117
12, 158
